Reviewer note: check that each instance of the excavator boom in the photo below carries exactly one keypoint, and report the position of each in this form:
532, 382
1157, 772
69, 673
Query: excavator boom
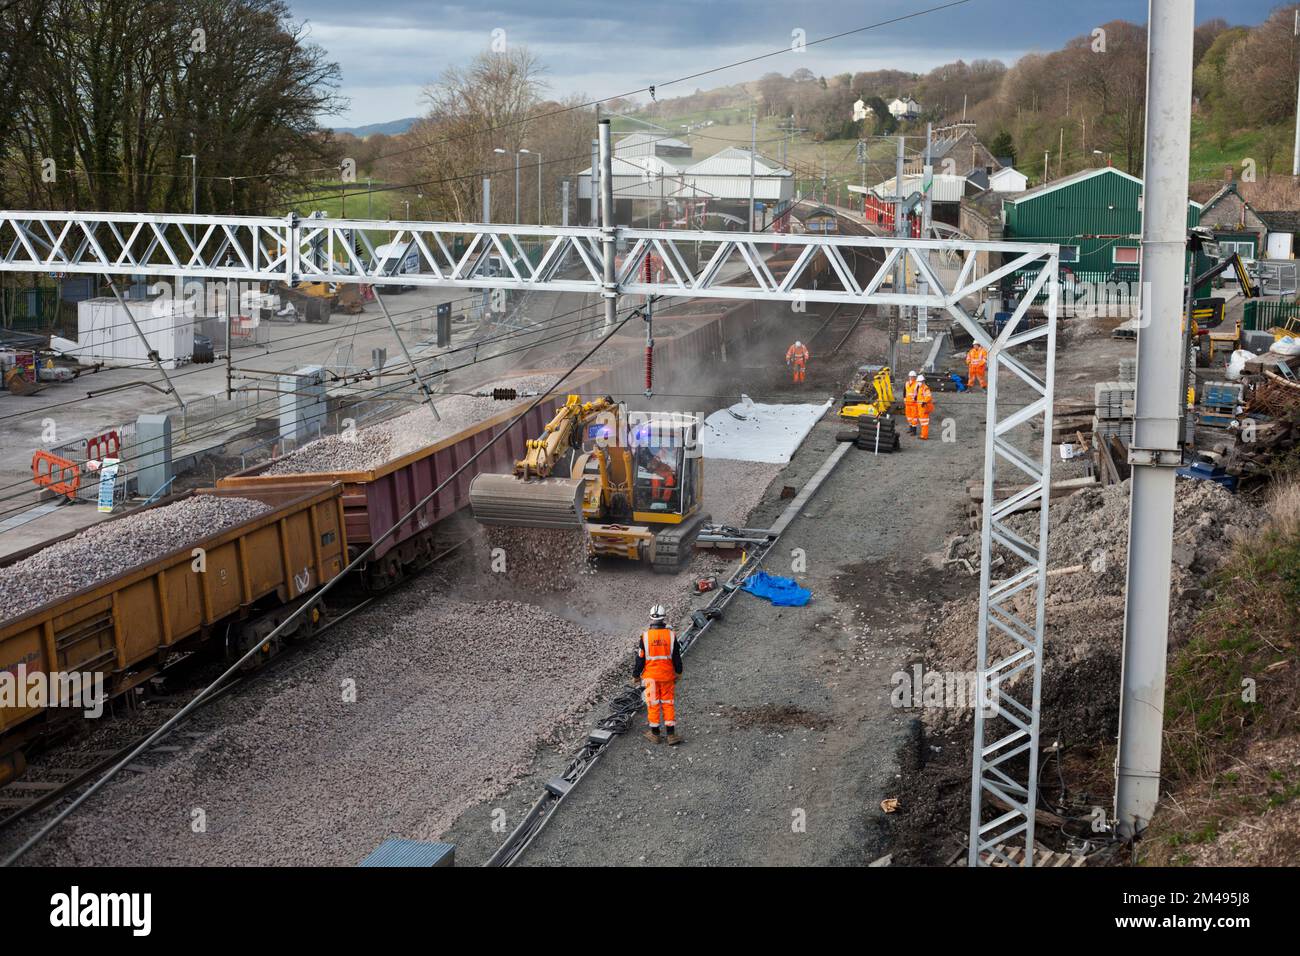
532, 497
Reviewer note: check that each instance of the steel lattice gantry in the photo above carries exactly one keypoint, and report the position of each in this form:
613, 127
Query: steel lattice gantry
731, 265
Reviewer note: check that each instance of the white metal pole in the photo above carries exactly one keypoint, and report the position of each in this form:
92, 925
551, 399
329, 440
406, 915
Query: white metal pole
607, 238
928, 184
426, 393
1155, 449
1295, 161
595, 183
517, 187
539, 188
150, 351
487, 198
753, 148
564, 203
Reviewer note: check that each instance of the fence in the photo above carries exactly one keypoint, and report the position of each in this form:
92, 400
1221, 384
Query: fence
1260, 316
29, 309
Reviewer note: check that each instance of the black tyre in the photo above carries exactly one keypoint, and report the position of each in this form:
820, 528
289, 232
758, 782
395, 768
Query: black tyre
850, 434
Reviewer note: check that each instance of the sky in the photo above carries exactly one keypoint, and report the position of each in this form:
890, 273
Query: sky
389, 52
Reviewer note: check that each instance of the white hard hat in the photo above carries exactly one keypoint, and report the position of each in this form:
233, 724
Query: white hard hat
912, 374
797, 343
920, 378
657, 613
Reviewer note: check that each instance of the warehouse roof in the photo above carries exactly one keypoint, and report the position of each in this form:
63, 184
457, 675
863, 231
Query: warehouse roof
946, 188
734, 161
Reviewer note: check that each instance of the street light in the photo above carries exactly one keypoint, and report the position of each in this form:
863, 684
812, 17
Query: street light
194, 181
504, 152
539, 183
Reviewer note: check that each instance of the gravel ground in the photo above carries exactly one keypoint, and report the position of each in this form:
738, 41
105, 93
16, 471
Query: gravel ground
107, 549
452, 700
466, 696
785, 711
376, 445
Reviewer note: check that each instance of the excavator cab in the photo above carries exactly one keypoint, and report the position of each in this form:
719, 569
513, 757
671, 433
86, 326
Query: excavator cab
667, 456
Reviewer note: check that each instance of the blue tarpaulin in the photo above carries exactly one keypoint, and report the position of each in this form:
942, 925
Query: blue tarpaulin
783, 592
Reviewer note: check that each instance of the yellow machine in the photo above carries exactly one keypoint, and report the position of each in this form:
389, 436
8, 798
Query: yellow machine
635, 482
883, 385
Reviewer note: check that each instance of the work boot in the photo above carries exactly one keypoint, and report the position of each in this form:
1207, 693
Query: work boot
652, 736
673, 738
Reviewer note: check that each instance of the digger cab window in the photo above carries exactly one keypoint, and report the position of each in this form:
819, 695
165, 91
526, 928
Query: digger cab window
658, 485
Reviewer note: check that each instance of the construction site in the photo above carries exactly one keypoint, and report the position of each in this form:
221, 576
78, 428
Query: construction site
837, 537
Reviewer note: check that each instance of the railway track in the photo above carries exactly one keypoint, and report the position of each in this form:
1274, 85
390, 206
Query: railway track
46, 787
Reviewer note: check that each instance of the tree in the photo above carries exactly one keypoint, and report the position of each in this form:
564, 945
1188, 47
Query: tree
120, 92
1003, 146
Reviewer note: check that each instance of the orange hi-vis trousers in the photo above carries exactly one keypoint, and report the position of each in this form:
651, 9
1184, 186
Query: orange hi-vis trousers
660, 700
977, 373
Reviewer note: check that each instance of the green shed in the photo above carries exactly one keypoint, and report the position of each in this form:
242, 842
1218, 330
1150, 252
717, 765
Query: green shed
1094, 215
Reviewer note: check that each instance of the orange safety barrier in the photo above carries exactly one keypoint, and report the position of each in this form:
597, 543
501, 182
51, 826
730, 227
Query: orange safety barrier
107, 445
61, 476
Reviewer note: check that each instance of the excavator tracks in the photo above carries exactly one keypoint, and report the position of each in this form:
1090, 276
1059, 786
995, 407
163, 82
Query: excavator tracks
675, 544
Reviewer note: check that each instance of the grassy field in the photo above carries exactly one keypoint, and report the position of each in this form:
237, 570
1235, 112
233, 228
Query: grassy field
1209, 157
329, 197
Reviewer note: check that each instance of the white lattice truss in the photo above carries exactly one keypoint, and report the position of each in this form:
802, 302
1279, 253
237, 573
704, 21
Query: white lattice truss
732, 265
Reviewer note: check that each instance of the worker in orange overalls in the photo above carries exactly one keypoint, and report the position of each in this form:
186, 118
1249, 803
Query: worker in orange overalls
924, 406
797, 356
977, 366
663, 477
658, 664
909, 403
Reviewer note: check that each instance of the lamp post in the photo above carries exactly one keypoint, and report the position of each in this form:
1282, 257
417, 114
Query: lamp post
539, 183
194, 181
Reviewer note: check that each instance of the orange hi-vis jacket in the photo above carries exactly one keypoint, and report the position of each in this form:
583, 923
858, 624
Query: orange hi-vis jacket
799, 355
909, 391
657, 652
924, 399
977, 356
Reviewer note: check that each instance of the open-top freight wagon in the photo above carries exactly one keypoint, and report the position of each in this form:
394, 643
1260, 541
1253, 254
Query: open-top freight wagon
236, 585
374, 499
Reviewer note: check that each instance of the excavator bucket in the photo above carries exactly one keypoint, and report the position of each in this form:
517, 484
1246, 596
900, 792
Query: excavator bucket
535, 503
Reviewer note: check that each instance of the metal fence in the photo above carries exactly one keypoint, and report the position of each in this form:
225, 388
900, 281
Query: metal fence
1261, 315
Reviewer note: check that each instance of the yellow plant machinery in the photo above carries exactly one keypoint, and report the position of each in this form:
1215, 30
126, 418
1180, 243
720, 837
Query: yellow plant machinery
634, 480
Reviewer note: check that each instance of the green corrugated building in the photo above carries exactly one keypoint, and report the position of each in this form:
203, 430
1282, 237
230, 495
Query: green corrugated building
1095, 215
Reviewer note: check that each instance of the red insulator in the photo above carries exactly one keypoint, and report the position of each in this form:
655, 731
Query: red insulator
649, 367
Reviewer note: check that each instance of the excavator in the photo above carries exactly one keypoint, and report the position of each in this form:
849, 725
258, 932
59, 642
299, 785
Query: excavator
634, 481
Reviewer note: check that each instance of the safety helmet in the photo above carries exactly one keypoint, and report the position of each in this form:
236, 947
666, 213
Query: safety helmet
912, 374
657, 613
920, 378
797, 343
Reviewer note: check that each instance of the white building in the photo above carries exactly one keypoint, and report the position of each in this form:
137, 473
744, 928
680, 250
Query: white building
905, 108
652, 185
1008, 180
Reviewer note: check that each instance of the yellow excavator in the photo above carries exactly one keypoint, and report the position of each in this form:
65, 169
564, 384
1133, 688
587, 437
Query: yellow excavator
634, 481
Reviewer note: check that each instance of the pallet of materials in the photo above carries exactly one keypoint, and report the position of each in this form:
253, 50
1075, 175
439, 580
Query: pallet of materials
1105, 428
1114, 399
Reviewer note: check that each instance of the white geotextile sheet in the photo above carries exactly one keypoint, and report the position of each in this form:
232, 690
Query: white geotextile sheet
748, 431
